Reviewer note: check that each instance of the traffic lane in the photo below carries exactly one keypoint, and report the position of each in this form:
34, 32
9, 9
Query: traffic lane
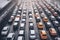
45, 29
55, 28
35, 26
27, 25
11, 28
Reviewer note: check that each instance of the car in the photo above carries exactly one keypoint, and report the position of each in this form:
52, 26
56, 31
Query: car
52, 10
40, 11
36, 15
36, 11
29, 11
55, 14
56, 9
56, 23
52, 32
39, 7
15, 26
35, 8
11, 20
38, 19
58, 18
11, 36
57, 38
32, 34
21, 32
5, 31
14, 14
24, 9
43, 35
18, 15
58, 29
22, 25
20, 9
12, 17
23, 20
19, 12
48, 12
30, 17
52, 18
44, 6
52, 5
17, 19
42, 15
45, 19
49, 8
48, 5
31, 25
40, 25
30, 14
48, 24
24, 17
20, 38
24, 12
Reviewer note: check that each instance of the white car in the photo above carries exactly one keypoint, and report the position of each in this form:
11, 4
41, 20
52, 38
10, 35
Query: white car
19, 12
49, 24
56, 23
5, 31
20, 38
30, 18
42, 15
38, 19
21, 32
22, 25
23, 20
10, 36
57, 38
17, 19
18, 15
11, 19
31, 25
32, 34
24, 12
52, 18
20, 9
15, 25
30, 14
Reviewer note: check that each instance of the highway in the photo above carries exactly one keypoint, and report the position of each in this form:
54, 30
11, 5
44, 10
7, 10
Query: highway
28, 11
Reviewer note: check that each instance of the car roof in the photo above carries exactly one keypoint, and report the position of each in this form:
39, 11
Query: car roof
10, 35
32, 31
20, 37
5, 28
43, 32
